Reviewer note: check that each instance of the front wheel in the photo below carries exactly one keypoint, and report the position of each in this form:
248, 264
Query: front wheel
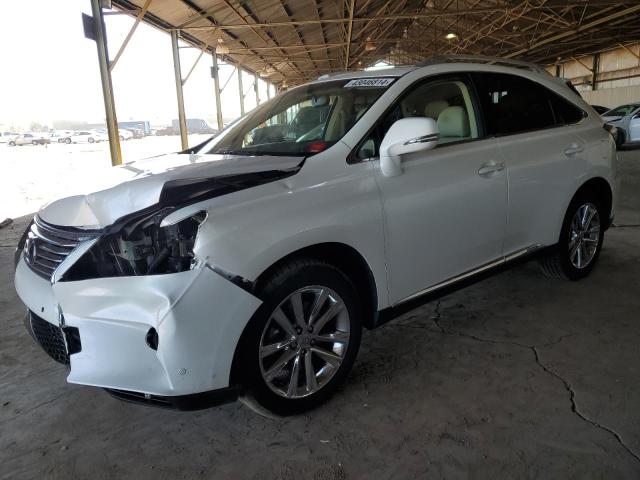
12, 144
67, 141
580, 241
303, 340
91, 140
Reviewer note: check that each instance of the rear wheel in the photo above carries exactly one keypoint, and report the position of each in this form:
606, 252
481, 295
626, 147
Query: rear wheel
12, 143
301, 343
91, 140
67, 141
34, 142
580, 240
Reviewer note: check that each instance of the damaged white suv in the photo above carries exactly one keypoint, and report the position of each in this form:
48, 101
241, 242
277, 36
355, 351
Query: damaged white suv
253, 261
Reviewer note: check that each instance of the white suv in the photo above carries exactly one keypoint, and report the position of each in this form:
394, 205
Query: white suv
253, 261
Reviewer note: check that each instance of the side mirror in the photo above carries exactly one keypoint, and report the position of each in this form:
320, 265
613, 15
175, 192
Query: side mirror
408, 135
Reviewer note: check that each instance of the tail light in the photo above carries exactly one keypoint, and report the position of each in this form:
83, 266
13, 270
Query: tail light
613, 131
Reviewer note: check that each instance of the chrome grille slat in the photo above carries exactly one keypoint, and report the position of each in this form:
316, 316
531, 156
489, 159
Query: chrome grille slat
47, 246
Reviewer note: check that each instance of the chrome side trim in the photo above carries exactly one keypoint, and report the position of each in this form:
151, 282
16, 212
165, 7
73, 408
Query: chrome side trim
470, 273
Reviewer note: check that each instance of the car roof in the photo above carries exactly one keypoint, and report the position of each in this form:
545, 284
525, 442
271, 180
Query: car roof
439, 60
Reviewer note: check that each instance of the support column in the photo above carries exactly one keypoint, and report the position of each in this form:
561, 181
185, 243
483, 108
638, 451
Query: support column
107, 86
216, 88
268, 91
594, 71
182, 120
241, 90
255, 88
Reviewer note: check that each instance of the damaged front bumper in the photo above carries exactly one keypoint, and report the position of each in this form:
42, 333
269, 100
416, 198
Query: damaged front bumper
197, 317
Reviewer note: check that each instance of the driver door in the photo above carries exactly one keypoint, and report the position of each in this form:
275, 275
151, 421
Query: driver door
445, 215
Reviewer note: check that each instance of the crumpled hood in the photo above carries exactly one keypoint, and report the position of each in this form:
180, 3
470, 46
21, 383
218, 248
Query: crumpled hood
139, 185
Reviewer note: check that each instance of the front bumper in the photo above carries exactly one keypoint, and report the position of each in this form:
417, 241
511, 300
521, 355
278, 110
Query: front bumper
198, 316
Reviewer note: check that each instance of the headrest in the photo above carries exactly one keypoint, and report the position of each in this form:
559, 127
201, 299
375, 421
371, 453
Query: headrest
453, 122
433, 109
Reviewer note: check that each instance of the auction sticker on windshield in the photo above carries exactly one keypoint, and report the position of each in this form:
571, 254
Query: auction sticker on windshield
370, 82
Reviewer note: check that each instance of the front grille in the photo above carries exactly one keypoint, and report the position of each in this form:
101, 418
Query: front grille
46, 245
50, 337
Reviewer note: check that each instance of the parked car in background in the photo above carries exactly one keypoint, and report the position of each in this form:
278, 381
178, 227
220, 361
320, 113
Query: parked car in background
28, 139
253, 261
59, 136
6, 136
600, 109
124, 134
85, 136
626, 119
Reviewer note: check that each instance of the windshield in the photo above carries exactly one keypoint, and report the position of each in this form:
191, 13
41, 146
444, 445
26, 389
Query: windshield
622, 110
302, 121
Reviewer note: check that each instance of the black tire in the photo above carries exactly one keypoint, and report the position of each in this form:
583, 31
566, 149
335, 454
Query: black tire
620, 139
67, 141
91, 140
12, 143
559, 264
287, 279
34, 142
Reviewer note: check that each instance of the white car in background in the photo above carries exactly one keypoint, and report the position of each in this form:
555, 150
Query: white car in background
124, 134
6, 136
85, 136
252, 262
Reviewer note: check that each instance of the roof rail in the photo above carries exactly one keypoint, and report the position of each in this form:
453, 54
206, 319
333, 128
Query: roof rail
440, 59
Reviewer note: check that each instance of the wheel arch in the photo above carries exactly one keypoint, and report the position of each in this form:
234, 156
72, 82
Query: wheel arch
601, 187
342, 256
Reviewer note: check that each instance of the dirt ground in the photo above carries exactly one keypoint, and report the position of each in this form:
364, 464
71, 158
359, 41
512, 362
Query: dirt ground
518, 376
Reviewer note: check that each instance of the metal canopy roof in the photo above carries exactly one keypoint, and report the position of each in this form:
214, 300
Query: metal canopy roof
295, 40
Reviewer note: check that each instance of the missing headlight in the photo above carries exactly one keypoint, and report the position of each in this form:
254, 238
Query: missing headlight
141, 247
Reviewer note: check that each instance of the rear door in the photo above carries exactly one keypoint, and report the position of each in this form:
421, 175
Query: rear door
543, 154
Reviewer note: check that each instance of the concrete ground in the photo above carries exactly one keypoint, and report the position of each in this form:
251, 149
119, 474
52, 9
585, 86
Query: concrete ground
515, 377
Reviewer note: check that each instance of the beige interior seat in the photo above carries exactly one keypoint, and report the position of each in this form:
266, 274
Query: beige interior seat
435, 108
453, 124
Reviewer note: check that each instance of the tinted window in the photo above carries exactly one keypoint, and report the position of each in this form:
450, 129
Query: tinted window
513, 104
448, 102
622, 110
565, 112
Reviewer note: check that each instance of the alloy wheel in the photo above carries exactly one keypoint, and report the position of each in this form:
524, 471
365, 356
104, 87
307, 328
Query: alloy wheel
584, 235
304, 342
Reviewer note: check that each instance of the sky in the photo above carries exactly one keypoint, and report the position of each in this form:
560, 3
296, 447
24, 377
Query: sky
49, 70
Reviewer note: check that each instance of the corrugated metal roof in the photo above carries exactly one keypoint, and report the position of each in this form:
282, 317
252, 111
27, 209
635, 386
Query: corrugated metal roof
297, 40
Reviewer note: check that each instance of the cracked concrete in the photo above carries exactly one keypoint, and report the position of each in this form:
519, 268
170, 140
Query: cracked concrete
518, 376
436, 317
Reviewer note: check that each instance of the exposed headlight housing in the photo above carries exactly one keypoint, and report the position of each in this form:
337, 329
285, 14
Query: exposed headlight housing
140, 246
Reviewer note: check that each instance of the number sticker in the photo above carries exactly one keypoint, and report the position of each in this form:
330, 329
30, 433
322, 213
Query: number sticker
370, 82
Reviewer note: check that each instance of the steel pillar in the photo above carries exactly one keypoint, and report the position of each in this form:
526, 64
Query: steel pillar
594, 71
182, 119
107, 86
216, 89
255, 88
268, 90
241, 90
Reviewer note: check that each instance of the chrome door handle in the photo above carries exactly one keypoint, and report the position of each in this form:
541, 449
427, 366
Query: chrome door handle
489, 168
573, 149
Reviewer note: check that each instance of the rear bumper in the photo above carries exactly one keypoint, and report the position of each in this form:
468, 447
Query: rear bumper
198, 315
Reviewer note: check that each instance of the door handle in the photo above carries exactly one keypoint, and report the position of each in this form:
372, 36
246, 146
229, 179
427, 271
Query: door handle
572, 149
489, 168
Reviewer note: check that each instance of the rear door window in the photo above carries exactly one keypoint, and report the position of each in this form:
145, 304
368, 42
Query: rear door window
513, 104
